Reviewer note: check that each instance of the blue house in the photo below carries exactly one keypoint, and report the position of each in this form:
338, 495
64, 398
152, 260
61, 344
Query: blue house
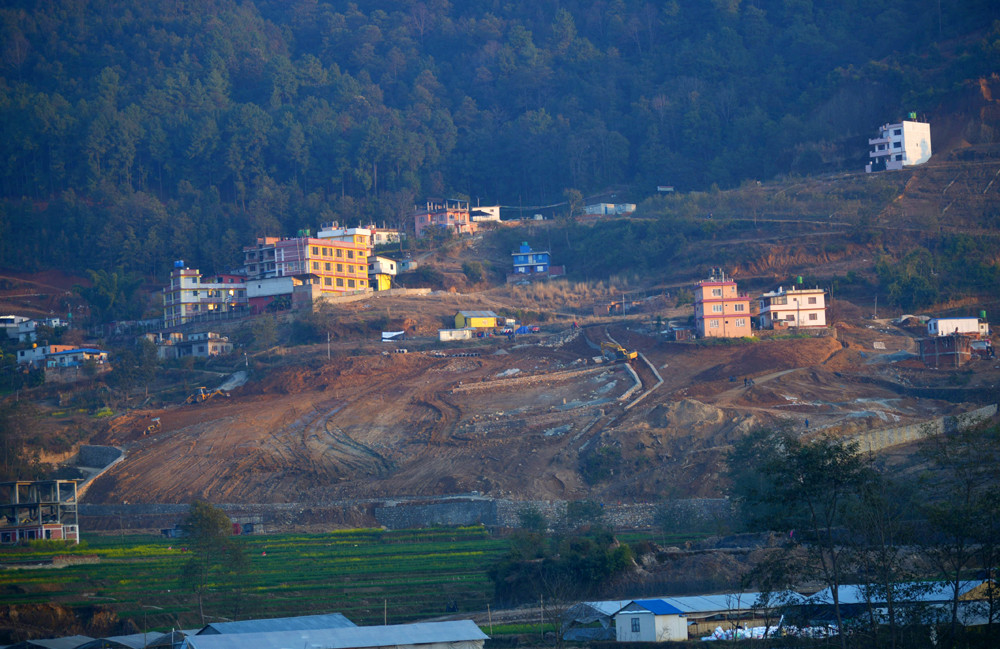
530, 262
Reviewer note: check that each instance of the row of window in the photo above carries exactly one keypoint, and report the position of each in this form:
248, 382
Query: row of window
720, 308
327, 281
329, 252
328, 267
738, 322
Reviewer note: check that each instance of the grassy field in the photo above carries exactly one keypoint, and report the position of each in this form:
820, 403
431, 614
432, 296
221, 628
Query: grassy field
368, 575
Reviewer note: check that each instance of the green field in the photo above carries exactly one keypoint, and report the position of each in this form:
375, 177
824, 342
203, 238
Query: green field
368, 575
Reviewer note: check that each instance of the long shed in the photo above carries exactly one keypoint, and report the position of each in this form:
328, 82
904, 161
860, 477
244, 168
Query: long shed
461, 634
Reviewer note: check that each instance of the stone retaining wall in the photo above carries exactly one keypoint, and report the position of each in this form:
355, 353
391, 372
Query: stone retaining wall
876, 440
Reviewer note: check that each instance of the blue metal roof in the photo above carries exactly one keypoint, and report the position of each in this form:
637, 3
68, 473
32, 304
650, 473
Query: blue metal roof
346, 638
658, 607
299, 623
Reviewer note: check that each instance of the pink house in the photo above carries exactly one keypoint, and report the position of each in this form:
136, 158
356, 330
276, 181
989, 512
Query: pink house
720, 310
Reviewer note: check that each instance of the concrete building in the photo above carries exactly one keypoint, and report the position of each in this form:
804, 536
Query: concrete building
485, 214
37, 510
946, 351
530, 262
650, 620
75, 357
191, 296
381, 270
899, 145
609, 209
720, 310
792, 308
452, 215
36, 355
948, 326
475, 319
384, 236
338, 257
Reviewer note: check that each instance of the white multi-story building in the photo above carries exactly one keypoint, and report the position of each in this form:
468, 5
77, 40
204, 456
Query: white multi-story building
804, 307
190, 296
899, 145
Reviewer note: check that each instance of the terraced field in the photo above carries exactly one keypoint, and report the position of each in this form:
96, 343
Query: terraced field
368, 575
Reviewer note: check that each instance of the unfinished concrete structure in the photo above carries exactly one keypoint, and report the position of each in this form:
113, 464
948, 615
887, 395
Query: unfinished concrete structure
43, 509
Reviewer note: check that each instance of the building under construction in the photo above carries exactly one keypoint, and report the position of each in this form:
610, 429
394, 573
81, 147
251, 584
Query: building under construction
43, 509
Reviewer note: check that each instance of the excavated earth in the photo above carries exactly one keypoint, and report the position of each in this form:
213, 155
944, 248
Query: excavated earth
523, 419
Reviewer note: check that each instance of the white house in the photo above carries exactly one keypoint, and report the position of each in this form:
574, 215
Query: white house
650, 620
899, 145
792, 308
948, 326
485, 213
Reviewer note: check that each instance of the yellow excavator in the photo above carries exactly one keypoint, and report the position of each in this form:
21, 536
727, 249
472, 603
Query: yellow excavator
203, 394
615, 352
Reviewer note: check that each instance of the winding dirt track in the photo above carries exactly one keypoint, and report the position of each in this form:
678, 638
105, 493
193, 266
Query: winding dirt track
528, 417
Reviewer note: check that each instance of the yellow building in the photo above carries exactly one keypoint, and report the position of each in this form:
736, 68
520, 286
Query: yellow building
477, 319
337, 257
381, 270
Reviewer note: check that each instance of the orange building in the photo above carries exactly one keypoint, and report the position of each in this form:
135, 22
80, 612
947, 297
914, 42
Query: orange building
337, 257
720, 311
450, 215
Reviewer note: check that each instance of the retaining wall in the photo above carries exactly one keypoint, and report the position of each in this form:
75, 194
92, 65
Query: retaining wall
876, 440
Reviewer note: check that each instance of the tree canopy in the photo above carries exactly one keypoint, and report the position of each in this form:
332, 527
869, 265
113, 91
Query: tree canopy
139, 133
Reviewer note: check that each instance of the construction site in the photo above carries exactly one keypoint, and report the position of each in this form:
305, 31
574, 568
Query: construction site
609, 411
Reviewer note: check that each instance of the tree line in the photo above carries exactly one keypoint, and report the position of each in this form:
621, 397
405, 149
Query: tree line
850, 518
134, 134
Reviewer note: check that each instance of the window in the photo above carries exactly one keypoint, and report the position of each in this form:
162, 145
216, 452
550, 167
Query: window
635, 625
741, 322
897, 145
315, 250
315, 265
898, 131
361, 282
790, 317
716, 308
350, 254
327, 265
713, 324
738, 307
326, 281
716, 292
350, 283
899, 156
340, 268
350, 269
813, 316
340, 281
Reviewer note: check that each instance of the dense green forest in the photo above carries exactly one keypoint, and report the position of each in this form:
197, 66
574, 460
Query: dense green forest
140, 132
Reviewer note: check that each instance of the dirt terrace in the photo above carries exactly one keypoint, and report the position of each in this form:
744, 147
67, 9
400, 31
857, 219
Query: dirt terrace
519, 420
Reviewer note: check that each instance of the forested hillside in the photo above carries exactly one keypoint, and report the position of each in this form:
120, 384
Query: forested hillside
134, 133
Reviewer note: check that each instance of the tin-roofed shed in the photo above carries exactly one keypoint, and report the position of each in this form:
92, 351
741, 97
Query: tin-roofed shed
462, 634
477, 319
68, 642
650, 620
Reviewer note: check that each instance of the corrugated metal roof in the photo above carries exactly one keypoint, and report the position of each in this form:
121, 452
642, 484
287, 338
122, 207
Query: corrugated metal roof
356, 637
299, 623
938, 591
131, 641
478, 314
696, 603
658, 607
69, 642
